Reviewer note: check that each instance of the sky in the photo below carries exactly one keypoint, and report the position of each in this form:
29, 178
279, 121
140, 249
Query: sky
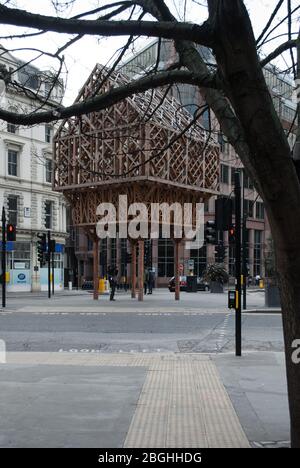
82, 56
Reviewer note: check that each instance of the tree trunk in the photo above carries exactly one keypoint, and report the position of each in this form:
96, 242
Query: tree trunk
289, 275
271, 164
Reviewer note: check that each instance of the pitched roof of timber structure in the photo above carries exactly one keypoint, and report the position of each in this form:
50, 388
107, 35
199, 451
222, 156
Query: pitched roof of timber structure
131, 141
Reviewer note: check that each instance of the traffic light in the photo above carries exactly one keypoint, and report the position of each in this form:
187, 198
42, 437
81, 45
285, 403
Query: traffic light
220, 253
223, 213
210, 232
11, 232
231, 235
41, 248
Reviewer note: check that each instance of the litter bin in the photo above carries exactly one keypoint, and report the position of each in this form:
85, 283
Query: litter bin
191, 284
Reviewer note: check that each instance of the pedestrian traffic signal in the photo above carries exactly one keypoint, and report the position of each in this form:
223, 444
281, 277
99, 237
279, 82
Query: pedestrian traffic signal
231, 235
11, 232
210, 232
41, 249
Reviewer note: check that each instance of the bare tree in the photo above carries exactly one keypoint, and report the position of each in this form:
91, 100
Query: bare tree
237, 93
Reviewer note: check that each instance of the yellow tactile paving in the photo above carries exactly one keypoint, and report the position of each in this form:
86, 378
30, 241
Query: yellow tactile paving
183, 402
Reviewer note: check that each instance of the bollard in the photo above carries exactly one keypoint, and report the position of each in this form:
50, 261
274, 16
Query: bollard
101, 288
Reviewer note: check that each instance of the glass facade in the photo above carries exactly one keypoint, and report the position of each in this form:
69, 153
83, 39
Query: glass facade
165, 258
200, 259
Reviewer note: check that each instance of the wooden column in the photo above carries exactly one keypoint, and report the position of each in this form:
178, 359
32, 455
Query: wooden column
133, 269
176, 269
141, 270
96, 266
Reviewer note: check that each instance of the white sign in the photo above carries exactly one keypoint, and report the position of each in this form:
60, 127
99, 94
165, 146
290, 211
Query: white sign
19, 266
27, 212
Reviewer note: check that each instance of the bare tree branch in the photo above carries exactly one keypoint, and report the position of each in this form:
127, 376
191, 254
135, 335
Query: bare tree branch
113, 96
270, 21
168, 30
282, 48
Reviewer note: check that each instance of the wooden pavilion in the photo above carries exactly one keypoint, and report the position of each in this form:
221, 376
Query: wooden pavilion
137, 148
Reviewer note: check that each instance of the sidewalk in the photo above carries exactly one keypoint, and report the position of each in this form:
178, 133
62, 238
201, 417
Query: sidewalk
138, 400
161, 301
63, 400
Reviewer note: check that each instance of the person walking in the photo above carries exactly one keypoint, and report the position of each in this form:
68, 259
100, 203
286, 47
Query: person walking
146, 274
113, 275
150, 281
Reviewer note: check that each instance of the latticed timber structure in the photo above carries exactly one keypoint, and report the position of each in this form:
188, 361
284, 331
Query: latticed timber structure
145, 147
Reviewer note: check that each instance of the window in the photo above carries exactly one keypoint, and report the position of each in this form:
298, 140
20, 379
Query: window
12, 208
48, 133
206, 206
165, 258
248, 182
260, 211
206, 124
19, 258
221, 142
224, 174
248, 208
11, 128
47, 89
12, 162
48, 214
200, 260
49, 170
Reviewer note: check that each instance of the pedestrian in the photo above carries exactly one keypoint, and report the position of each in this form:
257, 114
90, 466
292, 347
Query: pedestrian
150, 281
113, 275
146, 274
257, 280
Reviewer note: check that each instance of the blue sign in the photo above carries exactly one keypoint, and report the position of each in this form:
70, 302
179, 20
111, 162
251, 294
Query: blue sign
21, 276
9, 246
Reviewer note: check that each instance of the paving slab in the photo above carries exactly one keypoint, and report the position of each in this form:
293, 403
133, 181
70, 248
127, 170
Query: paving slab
256, 384
182, 402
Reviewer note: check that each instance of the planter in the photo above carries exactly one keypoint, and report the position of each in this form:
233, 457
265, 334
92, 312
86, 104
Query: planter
272, 298
216, 287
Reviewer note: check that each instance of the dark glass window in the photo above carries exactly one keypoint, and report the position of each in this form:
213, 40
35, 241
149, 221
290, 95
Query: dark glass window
48, 133
12, 162
260, 210
248, 208
165, 258
11, 128
200, 260
224, 174
49, 170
